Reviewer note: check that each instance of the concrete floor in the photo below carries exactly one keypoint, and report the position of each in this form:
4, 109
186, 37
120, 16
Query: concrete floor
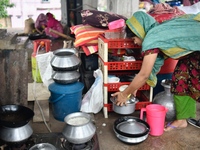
184, 139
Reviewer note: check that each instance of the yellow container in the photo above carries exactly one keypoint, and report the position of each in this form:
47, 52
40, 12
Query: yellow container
35, 70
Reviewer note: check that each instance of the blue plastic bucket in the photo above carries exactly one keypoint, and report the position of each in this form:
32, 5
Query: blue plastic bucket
65, 99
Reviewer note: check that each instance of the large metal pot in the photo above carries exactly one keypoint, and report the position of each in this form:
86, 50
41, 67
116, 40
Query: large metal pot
14, 135
65, 60
166, 99
79, 128
131, 130
129, 108
65, 77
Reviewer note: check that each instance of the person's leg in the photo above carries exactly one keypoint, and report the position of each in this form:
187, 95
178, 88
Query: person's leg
185, 108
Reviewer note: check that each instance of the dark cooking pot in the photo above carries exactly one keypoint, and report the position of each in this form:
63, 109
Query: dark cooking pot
15, 115
131, 130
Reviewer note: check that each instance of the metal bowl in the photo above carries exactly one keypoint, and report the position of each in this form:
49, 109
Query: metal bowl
65, 77
43, 146
65, 60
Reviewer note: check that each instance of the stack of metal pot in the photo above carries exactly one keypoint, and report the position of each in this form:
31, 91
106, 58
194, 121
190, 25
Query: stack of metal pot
65, 64
66, 91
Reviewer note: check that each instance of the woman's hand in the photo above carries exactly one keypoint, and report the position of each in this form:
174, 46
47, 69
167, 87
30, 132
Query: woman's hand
120, 98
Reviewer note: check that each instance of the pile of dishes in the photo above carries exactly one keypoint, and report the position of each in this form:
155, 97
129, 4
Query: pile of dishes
131, 130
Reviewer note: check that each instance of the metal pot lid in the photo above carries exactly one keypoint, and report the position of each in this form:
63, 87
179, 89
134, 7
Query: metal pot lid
43, 146
130, 126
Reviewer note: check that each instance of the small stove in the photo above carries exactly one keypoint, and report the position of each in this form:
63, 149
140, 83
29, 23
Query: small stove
56, 139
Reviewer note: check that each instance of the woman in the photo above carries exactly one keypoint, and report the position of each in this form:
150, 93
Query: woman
40, 23
178, 39
54, 24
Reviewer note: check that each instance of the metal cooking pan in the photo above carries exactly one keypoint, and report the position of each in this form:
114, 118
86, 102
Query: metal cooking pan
131, 130
15, 115
37, 36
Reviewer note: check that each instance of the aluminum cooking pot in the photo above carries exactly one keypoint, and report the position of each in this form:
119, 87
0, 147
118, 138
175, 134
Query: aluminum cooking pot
131, 130
79, 128
129, 108
65, 60
65, 77
17, 134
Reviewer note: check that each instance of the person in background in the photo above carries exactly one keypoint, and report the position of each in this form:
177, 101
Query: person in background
29, 26
53, 24
177, 38
41, 23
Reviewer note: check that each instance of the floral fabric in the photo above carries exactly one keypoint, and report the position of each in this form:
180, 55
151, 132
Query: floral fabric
99, 19
186, 77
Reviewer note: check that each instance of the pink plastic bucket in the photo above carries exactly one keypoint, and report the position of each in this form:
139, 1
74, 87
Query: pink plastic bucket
155, 115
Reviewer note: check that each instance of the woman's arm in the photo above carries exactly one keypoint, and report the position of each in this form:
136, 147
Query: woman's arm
139, 80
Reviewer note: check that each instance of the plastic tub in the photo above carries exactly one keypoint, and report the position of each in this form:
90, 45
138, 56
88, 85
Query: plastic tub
65, 99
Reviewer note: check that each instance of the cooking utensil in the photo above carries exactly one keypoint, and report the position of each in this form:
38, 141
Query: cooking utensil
43, 146
15, 115
131, 130
79, 128
129, 108
65, 77
37, 36
16, 134
65, 60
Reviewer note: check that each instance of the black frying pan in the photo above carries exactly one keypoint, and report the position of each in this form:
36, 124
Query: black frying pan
15, 115
37, 36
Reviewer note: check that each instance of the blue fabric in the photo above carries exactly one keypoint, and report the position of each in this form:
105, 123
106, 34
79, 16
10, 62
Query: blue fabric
175, 38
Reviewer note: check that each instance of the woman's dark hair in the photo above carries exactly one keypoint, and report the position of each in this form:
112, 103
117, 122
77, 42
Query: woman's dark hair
129, 33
